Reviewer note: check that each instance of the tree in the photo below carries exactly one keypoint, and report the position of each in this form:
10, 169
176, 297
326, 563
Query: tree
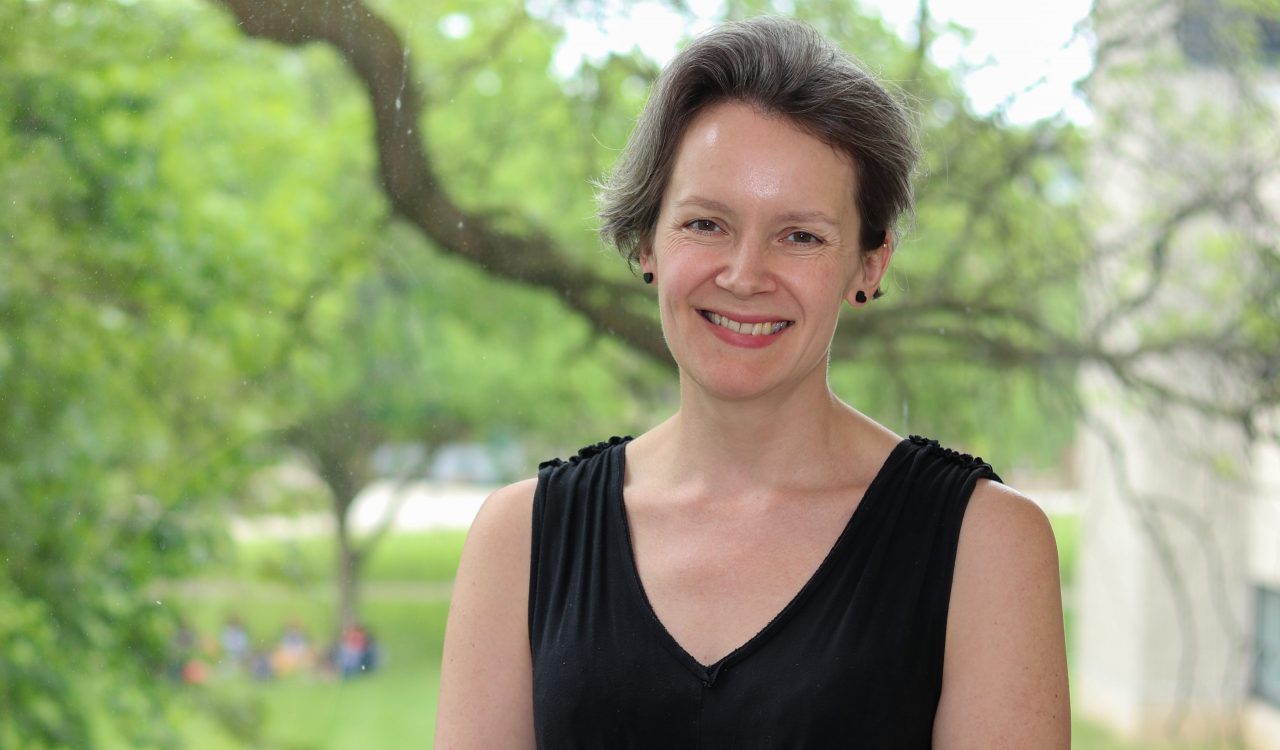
465, 216
410, 362
1016, 315
106, 468
178, 315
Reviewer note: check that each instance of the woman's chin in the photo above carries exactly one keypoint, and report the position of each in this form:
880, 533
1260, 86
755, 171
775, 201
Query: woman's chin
734, 385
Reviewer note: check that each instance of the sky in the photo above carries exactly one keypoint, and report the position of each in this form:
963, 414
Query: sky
1025, 50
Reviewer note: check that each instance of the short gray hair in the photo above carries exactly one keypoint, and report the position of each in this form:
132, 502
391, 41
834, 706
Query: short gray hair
783, 67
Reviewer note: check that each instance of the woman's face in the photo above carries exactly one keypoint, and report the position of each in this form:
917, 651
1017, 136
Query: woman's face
754, 250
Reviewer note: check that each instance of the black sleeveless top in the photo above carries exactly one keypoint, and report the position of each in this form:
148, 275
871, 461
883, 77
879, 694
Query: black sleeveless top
853, 661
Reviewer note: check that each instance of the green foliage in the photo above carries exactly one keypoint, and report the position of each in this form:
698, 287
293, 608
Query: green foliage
96, 470
195, 260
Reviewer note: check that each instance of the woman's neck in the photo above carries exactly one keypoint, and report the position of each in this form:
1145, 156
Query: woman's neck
776, 440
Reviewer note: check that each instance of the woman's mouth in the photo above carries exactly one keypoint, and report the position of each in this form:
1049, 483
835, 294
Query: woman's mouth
764, 328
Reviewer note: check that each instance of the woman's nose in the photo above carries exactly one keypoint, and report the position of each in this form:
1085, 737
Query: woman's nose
746, 271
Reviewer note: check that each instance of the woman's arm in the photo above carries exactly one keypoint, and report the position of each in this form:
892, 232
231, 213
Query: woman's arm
486, 680
1004, 682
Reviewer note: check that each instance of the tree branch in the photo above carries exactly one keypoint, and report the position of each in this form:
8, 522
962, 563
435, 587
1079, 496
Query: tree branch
380, 60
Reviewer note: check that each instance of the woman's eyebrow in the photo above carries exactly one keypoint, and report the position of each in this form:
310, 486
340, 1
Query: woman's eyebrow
804, 216
697, 201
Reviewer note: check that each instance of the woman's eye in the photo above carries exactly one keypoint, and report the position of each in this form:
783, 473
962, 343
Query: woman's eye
803, 238
703, 225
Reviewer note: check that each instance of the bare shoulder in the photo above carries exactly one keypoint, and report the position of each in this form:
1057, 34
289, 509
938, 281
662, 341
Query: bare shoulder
506, 517
1004, 523
1004, 674
495, 557
486, 680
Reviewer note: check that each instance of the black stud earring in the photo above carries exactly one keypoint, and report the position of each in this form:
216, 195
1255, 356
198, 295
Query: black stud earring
860, 297
648, 277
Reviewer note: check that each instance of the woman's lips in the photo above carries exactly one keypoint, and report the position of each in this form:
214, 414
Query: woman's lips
750, 332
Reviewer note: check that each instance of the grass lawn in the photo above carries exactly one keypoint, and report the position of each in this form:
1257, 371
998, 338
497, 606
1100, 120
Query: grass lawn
393, 707
268, 584
405, 604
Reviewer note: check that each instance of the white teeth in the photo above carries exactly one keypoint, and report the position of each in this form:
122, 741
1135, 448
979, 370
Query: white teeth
750, 329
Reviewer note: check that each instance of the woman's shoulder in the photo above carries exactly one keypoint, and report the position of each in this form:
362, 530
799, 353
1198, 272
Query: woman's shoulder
584, 474
505, 502
484, 685
999, 521
945, 455
1007, 536
998, 510
505, 515
587, 453
502, 526
1005, 672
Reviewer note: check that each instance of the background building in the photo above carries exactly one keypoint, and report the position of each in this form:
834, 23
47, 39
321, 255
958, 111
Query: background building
1178, 632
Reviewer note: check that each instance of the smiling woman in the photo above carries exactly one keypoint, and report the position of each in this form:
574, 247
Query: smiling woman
768, 567
755, 247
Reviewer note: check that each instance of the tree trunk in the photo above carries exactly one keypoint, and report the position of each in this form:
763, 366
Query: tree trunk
341, 466
349, 560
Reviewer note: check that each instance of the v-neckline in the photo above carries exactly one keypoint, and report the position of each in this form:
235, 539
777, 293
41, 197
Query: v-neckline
708, 673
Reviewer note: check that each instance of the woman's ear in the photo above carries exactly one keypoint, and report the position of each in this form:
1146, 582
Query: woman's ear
875, 263
644, 254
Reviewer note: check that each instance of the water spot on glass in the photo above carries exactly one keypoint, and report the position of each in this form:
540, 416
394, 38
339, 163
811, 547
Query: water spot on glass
943, 111
455, 25
488, 82
634, 87
111, 318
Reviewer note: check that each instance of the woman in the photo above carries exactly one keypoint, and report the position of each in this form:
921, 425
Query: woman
768, 567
